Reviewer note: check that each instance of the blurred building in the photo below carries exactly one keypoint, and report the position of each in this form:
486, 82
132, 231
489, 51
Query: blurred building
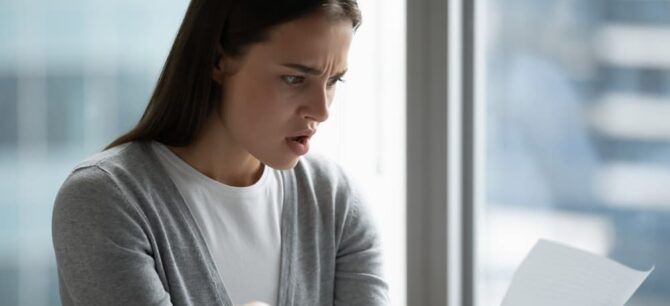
73, 74
578, 135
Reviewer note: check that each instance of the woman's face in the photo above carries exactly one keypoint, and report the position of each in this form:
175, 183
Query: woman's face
283, 87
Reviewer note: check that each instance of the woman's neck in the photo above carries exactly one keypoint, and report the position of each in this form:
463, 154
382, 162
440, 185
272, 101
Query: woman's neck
217, 156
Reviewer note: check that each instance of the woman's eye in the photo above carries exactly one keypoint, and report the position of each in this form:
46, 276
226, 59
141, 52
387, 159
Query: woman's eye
332, 82
293, 79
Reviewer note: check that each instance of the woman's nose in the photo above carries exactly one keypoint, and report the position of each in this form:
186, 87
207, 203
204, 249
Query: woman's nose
317, 107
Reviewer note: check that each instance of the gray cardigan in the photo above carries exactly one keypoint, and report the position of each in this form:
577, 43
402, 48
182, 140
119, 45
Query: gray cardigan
123, 235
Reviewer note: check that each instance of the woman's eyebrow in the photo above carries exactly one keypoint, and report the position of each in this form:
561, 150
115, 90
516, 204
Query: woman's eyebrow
310, 70
303, 68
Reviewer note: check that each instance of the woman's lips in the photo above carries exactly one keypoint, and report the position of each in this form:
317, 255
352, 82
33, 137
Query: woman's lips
299, 145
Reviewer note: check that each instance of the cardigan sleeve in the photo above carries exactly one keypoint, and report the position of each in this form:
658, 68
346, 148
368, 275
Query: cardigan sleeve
359, 267
102, 251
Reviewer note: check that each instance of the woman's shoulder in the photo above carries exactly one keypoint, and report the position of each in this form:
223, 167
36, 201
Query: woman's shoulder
124, 156
126, 166
97, 184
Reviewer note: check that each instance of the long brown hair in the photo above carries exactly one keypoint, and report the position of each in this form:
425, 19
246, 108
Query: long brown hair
185, 94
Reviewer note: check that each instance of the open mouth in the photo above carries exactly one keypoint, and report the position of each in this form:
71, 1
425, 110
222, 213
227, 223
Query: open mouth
300, 139
299, 144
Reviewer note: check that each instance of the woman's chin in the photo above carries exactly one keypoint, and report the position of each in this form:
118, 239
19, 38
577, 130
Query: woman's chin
283, 164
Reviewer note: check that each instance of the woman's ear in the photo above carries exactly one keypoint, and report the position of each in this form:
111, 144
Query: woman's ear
219, 68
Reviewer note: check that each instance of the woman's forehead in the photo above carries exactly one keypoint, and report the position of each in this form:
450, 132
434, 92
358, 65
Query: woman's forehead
317, 30
311, 39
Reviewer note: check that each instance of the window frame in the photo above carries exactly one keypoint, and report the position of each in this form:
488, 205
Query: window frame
445, 159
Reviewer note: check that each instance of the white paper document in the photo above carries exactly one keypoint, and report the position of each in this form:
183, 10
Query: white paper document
554, 274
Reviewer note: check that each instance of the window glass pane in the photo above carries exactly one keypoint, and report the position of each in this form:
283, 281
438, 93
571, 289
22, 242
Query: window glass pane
73, 74
65, 107
8, 103
133, 98
577, 99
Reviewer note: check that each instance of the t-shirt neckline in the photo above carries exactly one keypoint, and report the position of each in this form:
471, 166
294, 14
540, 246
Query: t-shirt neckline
186, 169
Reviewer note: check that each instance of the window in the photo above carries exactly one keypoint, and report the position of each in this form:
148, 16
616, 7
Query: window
530, 119
577, 101
71, 77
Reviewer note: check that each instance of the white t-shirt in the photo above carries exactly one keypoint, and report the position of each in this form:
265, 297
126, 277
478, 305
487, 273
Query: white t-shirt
241, 226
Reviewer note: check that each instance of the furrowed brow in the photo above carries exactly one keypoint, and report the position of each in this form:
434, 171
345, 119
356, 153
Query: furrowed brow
303, 69
311, 70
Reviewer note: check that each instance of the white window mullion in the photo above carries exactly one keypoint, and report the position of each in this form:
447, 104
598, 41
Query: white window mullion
444, 157
427, 165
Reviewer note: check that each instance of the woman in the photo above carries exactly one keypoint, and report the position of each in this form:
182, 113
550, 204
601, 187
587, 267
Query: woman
211, 198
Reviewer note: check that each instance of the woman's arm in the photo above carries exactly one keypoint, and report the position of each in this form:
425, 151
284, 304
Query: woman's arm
358, 271
102, 252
